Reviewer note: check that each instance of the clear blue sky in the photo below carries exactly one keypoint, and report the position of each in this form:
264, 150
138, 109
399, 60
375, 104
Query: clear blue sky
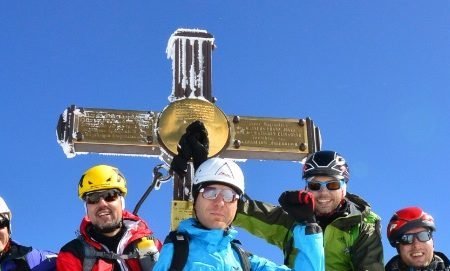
373, 75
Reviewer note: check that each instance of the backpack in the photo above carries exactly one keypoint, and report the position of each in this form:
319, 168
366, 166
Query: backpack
180, 242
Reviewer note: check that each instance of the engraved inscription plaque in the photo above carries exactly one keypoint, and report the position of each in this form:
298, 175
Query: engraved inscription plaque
269, 138
108, 131
178, 115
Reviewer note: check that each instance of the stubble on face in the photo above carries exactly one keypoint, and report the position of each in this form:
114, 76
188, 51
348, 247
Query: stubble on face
215, 214
418, 254
326, 201
4, 238
106, 217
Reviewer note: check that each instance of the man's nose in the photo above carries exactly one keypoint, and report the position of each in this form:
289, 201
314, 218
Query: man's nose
219, 199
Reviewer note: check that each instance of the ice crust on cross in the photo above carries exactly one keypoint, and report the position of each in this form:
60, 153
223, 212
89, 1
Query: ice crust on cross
194, 79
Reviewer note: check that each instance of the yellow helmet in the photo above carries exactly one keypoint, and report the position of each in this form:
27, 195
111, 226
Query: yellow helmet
101, 177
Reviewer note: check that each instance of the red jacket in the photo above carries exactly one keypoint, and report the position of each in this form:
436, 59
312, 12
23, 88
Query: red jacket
71, 255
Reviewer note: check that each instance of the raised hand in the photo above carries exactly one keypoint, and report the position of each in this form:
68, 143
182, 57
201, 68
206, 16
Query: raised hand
299, 204
194, 143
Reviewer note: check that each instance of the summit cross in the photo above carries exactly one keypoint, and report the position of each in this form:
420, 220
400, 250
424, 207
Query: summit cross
82, 130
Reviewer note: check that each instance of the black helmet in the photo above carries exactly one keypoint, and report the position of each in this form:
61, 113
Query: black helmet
326, 163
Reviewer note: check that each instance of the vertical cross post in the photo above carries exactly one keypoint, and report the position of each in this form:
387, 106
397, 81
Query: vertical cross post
191, 54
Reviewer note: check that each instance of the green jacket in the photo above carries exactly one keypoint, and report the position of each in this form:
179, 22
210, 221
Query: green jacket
352, 242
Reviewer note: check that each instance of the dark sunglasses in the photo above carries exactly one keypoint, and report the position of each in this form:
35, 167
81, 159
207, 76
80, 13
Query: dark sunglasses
107, 195
330, 185
211, 193
408, 238
4, 223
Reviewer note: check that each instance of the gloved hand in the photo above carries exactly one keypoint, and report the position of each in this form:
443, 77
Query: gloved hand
299, 204
148, 253
194, 143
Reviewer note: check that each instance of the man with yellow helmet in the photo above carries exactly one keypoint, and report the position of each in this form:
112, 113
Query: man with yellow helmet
111, 238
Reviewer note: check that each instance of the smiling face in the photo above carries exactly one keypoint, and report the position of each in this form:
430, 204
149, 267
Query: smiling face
418, 254
326, 200
215, 213
106, 215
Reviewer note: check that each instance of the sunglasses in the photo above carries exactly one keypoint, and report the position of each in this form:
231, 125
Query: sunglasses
408, 238
107, 195
211, 193
4, 223
330, 185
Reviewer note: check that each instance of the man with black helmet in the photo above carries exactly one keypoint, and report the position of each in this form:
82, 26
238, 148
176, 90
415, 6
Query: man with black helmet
352, 238
410, 231
110, 238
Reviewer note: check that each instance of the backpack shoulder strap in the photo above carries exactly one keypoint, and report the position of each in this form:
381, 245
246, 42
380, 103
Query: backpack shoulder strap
243, 255
91, 255
180, 243
88, 253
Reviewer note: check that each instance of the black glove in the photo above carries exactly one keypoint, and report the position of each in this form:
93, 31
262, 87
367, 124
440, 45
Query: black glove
299, 204
197, 137
194, 143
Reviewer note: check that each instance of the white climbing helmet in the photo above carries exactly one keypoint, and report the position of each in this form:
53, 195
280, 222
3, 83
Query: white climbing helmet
220, 170
4, 208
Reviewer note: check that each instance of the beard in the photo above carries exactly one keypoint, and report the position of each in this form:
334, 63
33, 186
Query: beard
108, 228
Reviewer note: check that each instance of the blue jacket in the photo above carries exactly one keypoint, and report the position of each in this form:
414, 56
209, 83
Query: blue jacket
20, 257
211, 250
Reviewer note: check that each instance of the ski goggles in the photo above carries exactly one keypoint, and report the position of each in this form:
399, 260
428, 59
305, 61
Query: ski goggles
330, 185
4, 223
408, 238
211, 193
107, 195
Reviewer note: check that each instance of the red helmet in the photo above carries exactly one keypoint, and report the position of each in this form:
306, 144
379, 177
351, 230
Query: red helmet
406, 219
326, 163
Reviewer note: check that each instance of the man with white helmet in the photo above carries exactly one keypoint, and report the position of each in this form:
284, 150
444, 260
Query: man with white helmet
210, 237
14, 256
111, 238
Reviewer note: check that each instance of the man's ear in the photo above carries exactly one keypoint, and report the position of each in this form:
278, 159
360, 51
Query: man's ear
122, 200
344, 190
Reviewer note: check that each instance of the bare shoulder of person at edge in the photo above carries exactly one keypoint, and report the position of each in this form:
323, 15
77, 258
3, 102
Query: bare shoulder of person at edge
194, 143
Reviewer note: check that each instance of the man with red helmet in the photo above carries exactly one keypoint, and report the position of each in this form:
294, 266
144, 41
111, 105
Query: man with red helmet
410, 231
352, 238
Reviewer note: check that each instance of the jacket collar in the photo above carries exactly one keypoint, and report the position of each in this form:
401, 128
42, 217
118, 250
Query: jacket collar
212, 237
135, 229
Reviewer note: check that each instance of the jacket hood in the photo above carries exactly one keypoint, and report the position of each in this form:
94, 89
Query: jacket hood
357, 211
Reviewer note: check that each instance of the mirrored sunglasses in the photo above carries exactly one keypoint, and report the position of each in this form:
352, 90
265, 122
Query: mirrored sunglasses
4, 223
107, 195
330, 185
211, 193
408, 238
